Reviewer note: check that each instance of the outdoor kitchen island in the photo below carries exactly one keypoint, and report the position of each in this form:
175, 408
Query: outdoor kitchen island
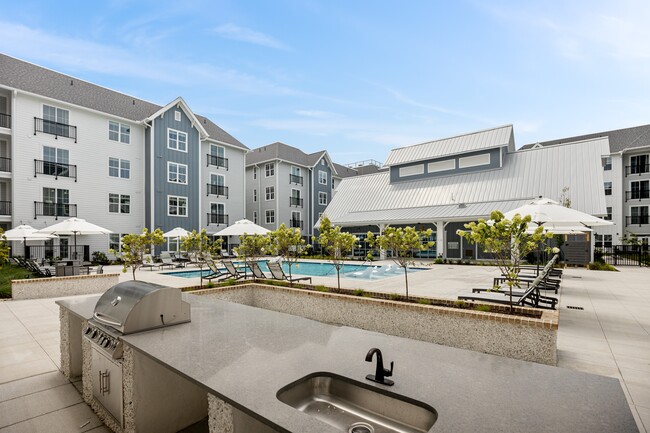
231, 360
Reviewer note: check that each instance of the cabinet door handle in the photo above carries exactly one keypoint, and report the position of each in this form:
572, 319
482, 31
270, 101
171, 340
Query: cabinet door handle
105, 382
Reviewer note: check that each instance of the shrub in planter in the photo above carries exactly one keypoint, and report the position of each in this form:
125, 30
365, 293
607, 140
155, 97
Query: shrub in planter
99, 258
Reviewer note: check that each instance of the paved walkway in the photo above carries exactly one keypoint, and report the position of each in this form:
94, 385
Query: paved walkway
610, 336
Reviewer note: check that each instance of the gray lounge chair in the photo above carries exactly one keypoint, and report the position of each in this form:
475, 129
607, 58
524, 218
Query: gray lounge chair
232, 270
215, 273
531, 297
168, 260
257, 271
278, 273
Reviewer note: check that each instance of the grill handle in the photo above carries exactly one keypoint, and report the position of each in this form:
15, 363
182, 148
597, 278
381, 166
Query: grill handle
98, 317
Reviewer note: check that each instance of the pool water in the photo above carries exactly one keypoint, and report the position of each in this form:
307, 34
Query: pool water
316, 269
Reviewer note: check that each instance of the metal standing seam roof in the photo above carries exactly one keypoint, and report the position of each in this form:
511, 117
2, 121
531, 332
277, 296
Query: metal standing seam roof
525, 175
487, 139
35, 79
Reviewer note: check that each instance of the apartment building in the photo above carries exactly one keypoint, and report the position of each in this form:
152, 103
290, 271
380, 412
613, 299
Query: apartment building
286, 185
72, 148
626, 182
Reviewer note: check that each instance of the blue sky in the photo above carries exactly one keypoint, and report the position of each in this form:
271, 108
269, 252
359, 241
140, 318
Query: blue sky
356, 78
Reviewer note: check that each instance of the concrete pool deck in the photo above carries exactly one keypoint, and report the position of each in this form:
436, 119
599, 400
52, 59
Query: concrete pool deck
610, 336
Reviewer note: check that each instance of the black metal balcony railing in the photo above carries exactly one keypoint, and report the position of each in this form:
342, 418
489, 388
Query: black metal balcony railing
217, 161
55, 128
217, 218
54, 209
55, 169
5, 164
295, 179
637, 169
5, 120
218, 190
295, 201
638, 194
5, 208
295, 224
635, 220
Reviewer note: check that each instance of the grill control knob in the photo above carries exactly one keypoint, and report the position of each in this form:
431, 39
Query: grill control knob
87, 330
107, 342
94, 334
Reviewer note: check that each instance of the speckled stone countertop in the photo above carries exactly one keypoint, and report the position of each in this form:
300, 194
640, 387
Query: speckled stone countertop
244, 355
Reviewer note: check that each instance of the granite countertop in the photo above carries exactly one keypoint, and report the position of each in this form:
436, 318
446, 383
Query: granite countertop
244, 355
83, 307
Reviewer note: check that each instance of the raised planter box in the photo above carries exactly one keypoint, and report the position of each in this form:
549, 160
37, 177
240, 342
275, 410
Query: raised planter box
36, 288
526, 338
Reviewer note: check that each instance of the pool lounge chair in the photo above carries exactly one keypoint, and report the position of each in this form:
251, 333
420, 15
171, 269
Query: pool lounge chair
148, 262
215, 273
278, 273
531, 297
257, 271
168, 260
233, 272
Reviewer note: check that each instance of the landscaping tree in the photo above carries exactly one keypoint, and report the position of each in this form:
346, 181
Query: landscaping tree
252, 247
402, 242
336, 243
4, 248
199, 243
507, 241
288, 244
135, 246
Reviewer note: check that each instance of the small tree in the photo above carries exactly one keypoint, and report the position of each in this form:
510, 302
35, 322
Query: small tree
252, 247
288, 244
336, 243
402, 242
507, 241
200, 243
4, 248
135, 246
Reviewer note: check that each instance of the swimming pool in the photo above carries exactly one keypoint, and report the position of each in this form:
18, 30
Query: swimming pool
318, 269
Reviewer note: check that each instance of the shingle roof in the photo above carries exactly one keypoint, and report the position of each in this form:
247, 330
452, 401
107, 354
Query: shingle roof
344, 171
31, 78
619, 139
278, 150
525, 175
487, 139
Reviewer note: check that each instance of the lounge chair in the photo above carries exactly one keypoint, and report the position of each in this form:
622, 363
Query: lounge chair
257, 271
232, 270
366, 273
278, 273
148, 262
215, 273
168, 260
531, 297
39, 271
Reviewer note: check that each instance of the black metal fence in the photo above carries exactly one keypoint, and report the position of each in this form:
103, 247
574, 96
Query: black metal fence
57, 252
54, 209
5, 164
218, 190
217, 218
217, 161
624, 255
5, 208
55, 128
5, 120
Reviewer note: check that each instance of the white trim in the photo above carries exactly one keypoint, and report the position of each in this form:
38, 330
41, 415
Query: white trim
224, 182
119, 132
411, 170
444, 165
119, 204
475, 160
272, 169
319, 177
266, 193
187, 207
178, 164
187, 144
319, 200
119, 168
179, 102
266, 219
255, 217
178, 116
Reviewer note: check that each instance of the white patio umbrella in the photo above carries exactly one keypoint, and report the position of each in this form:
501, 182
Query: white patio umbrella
178, 233
545, 211
241, 227
26, 233
74, 226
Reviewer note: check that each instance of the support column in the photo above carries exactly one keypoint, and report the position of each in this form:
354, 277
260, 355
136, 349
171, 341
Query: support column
382, 252
441, 251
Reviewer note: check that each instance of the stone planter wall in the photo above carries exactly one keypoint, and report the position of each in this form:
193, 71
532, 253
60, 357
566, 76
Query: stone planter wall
528, 339
53, 287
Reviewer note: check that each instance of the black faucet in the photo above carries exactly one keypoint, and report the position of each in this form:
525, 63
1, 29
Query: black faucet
380, 373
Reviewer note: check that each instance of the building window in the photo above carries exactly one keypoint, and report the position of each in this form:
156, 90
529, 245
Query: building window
269, 169
609, 214
56, 202
115, 242
176, 140
607, 241
270, 216
254, 194
255, 217
322, 177
322, 162
270, 193
176, 173
254, 172
608, 188
639, 189
639, 164
296, 220
177, 116
119, 132
177, 206
55, 120
322, 198
119, 203
639, 215
56, 161
607, 163
119, 168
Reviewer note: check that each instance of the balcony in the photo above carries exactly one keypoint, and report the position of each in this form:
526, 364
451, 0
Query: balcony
295, 179
217, 161
5, 208
637, 194
5, 164
217, 218
637, 169
636, 220
55, 128
55, 169
218, 190
56, 210
5, 120
295, 201
295, 224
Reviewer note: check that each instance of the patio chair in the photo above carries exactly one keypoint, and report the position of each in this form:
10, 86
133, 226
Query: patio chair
531, 297
168, 260
278, 273
148, 262
233, 272
38, 271
257, 271
215, 273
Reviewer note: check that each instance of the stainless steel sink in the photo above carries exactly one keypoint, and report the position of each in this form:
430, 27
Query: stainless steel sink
356, 407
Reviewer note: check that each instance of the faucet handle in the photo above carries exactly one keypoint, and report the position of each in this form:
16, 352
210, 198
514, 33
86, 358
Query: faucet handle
387, 372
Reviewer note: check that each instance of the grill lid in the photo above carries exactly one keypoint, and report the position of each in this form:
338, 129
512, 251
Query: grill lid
135, 306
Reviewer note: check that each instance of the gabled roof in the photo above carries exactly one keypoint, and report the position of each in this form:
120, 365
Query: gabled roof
619, 139
480, 140
25, 76
372, 199
286, 153
180, 103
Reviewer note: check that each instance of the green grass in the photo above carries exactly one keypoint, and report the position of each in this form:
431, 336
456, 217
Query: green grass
600, 266
8, 273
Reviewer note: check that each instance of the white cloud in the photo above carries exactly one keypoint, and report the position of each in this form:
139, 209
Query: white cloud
237, 33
